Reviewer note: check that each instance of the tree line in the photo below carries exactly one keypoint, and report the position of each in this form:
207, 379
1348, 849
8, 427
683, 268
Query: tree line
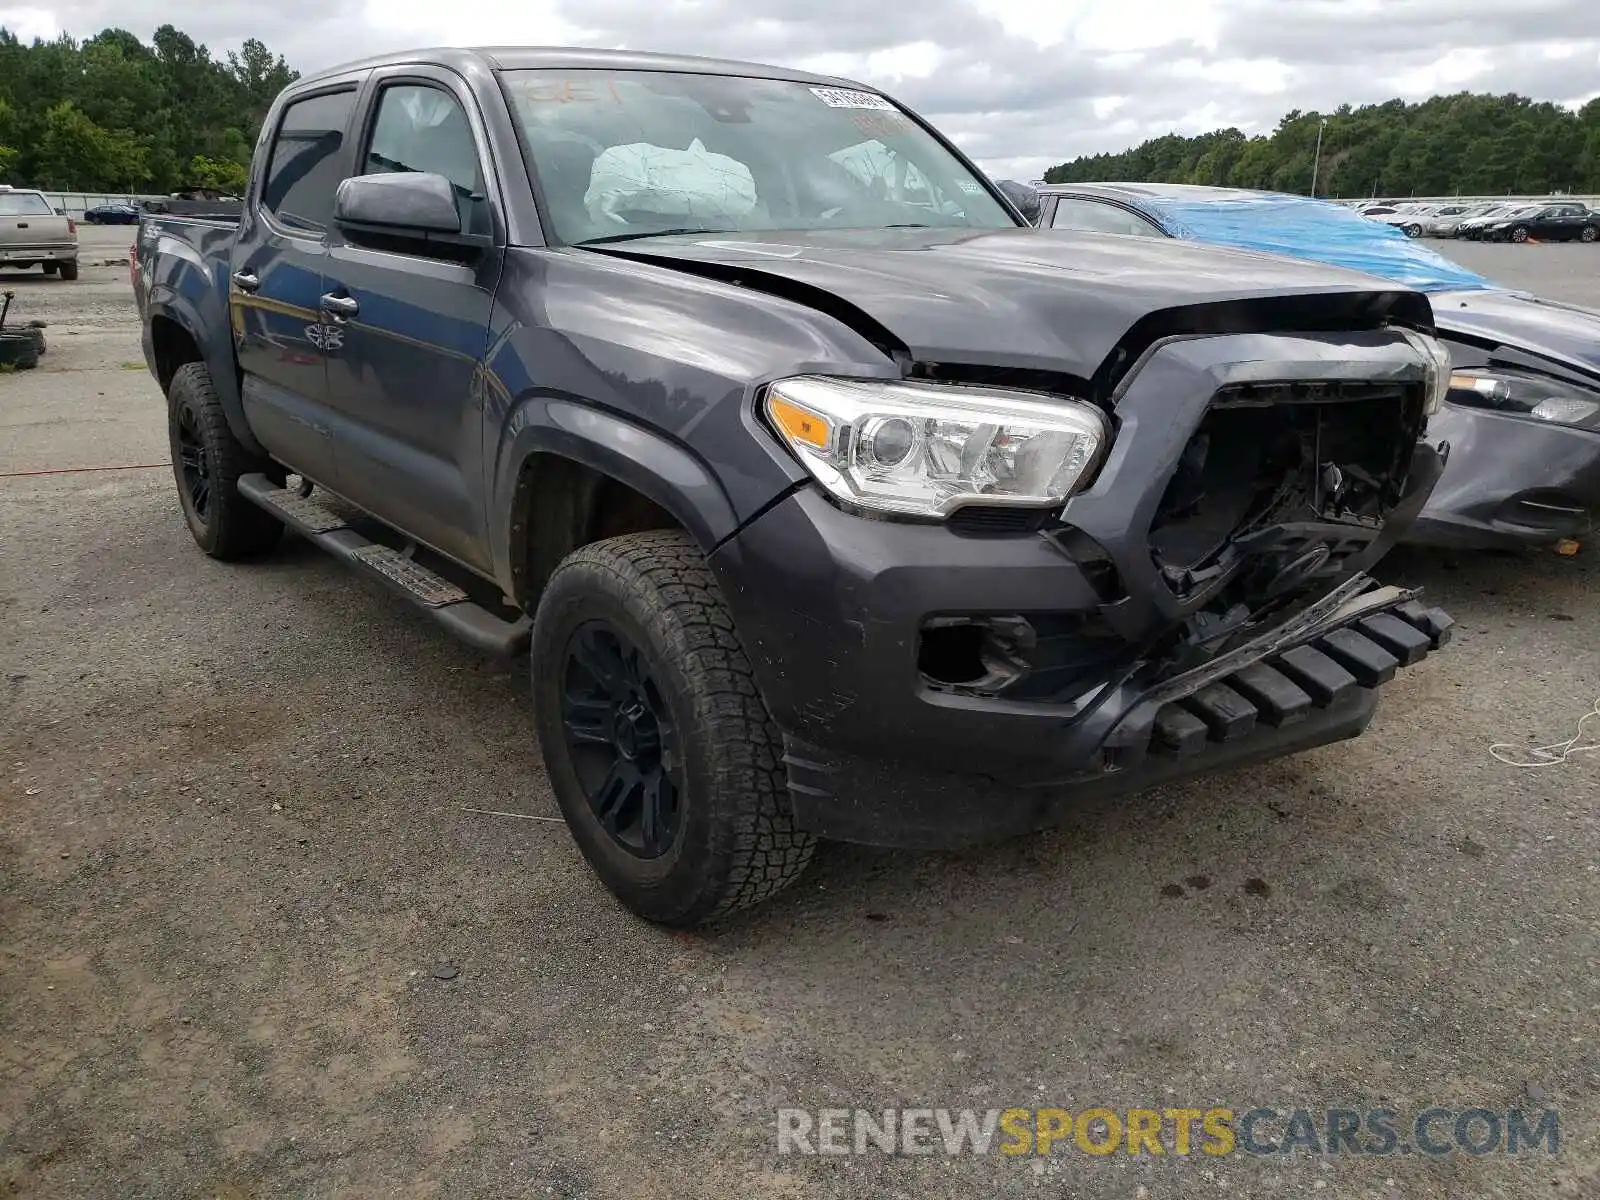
112, 114
1463, 144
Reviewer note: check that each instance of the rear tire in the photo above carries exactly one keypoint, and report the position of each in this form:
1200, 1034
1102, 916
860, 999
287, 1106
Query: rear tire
207, 460
645, 703
69, 269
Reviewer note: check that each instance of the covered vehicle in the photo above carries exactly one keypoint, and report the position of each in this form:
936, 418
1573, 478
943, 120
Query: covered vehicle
1522, 418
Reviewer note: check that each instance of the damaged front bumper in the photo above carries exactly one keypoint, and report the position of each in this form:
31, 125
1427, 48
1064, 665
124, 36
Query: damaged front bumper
897, 733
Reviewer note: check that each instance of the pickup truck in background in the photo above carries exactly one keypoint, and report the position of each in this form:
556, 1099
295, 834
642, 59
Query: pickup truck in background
827, 498
32, 234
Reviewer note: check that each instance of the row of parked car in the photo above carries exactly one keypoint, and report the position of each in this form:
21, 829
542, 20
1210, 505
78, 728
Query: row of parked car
1504, 221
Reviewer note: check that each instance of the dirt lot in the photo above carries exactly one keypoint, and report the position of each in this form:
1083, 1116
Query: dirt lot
234, 850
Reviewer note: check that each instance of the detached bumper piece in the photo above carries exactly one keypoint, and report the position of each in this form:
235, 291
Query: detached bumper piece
1290, 687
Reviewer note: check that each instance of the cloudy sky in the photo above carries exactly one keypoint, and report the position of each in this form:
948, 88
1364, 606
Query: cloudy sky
1017, 89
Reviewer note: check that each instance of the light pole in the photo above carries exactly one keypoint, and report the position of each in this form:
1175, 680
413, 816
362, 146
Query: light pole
1316, 158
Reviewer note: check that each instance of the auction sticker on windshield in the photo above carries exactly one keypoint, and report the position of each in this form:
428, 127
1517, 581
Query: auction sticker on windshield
849, 98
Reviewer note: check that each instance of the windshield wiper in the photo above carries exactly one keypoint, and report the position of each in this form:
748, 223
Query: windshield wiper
629, 237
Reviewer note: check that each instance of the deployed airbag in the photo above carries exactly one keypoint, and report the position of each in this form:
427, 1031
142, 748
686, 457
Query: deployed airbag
688, 185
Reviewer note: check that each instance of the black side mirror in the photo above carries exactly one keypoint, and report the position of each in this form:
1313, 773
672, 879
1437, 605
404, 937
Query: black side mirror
1024, 198
402, 202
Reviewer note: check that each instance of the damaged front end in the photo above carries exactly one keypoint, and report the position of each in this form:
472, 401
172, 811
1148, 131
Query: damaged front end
1252, 483
1202, 603
1234, 524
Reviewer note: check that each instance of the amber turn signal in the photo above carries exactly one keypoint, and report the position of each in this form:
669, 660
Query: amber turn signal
800, 424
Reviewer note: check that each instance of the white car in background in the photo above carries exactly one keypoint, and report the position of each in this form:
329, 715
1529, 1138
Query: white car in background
1448, 224
1413, 218
33, 234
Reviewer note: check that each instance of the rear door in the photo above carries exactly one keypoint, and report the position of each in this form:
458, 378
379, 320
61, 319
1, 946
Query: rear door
1564, 222
276, 280
404, 381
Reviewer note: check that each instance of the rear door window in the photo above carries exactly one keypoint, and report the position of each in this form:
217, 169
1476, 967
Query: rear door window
307, 162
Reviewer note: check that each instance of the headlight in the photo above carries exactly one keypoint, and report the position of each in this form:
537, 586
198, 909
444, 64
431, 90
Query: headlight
1436, 368
926, 449
1527, 394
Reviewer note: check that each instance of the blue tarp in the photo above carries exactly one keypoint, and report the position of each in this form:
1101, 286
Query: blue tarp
1300, 227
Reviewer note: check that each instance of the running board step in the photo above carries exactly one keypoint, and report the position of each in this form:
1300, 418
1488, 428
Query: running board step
424, 589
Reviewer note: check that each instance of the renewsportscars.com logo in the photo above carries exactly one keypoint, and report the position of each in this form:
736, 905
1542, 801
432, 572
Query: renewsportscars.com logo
1167, 1131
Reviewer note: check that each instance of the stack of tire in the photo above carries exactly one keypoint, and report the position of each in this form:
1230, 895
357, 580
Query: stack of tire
22, 348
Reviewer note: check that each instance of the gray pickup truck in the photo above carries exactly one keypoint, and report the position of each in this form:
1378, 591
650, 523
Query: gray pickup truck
829, 500
32, 234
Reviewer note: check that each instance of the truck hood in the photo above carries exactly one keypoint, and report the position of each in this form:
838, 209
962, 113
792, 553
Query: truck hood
1564, 332
1046, 300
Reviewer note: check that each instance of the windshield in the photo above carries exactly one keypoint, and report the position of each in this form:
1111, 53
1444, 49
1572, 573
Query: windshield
24, 204
631, 153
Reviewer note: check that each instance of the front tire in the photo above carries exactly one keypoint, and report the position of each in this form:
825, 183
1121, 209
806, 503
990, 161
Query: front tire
1589, 234
1519, 234
664, 759
207, 460
1413, 231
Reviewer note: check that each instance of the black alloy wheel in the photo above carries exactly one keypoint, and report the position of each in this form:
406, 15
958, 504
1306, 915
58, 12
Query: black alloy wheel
207, 460
622, 739
194, 467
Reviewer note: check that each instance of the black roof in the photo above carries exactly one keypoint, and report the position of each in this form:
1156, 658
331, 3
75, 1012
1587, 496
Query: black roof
573, 58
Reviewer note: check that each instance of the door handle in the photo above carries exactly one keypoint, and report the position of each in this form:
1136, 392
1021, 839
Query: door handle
341, 307
246, 281
22, 224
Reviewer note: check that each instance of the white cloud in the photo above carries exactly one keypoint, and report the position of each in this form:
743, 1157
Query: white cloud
29, 23
1022, 85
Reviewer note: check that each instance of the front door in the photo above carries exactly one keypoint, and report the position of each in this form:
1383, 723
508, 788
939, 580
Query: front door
404, 384
276, 283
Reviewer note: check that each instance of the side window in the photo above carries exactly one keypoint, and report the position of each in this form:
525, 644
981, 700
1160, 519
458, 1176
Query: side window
422, 128
1099, 218
306, 167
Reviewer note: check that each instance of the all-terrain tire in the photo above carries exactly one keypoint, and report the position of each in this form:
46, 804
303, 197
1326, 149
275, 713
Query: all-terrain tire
207, 460
69, 269
18, 350
735, 842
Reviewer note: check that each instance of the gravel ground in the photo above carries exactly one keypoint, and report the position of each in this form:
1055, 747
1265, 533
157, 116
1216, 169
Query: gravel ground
234, 851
